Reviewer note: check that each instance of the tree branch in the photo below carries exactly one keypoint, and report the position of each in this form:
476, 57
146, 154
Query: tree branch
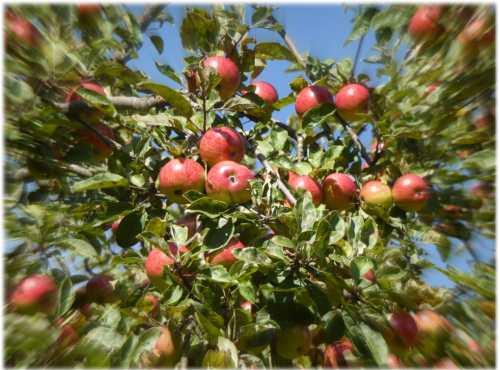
281, 185
356, 57
130, 102
291, 45
355, 138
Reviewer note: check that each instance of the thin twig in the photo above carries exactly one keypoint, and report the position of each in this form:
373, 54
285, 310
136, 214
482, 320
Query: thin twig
284, 126
300, 147
281, 185
290, 44
356, 57
355, 138
131, 102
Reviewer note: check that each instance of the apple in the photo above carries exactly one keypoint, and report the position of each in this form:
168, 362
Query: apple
478, 33
154, 265
307, 183
481, 190
247, 306
411, 192
228, 181
339, 191
222, 144
430, 323
22, 29
445, 363
155, 304
351, 100
484, 121
115, 225
229, 73
35, 293
311, 97
68, 337
370, 276
334, 354
73, 94
474, 346
393, 362
101, 149
174, 249
376, 195
99, 289
431, 88
88, 9
226, 256
179, 176
189, 221
81, 109
265, 91
425, 22
294, 341
404, 326
166, 348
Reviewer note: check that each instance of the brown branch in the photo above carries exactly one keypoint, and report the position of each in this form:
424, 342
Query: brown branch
300, 147
281, 185
355, 138
131, 102
291, 45
24, 173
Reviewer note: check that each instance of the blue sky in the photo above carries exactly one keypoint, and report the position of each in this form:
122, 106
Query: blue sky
318, 29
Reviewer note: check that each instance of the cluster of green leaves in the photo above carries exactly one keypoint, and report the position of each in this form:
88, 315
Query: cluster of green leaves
303, 264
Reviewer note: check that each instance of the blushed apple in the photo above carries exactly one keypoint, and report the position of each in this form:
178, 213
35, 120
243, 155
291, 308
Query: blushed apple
222, 144
99, 289
35, 293
265, 91
179, 176
228, 72
425, 22
334, 354
308, 184
411, 192
311, 97
376, 195
22, 29
154, 265
351, 100
166, 348
405, 327
152, 300
226, 256
339, 191
68, 337
228, 181
393, 362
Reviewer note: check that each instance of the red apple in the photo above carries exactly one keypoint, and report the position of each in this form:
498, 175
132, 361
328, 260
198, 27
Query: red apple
481, 190
247, 306
405, 327
68, 337
474, 346
370, 276
189, 221
484, 121
477, 34
430, 323
88, 9
222, 144
155, 263
177, 250
115, 225
22, 29
334, 354
226, 256
393, 362
35, 293
228, 72
411, 192
228, 181
307, 183
445, 363
339, 191
179, 176
351, 100
73, 94
425, 22
376, 194
431, 88
99, 289
101, 149
166, 348
265, 91
452, 210
311, 97
155, 304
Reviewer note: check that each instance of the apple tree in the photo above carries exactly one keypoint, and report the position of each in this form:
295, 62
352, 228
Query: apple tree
182, 225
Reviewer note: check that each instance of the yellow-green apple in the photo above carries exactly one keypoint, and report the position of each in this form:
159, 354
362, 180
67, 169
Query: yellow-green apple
222, 144
154, 265
21, 29
226, 256
411, 192
265, 91
180, 175
228, 181
99, 147
404, 326
334, 354
99, 289
311, 97
294, 341
229, 73
308, 184
351, 100
339, 191
424, 24
375, 195
189, 221
35, 293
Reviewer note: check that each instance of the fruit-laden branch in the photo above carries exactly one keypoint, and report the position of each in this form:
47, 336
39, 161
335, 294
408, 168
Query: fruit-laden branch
281, 185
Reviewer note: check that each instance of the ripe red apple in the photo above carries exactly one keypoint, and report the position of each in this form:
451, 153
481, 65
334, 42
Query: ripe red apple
307, 183
478, 33
294, 341
411, 192
189, 221
222, 144
425, 22
265, 91
228, 72
88, 9
179, 176
405, 327
226, 256
73, 94
35, 293
101, 149
154, 265
166, 348
155, 304
228, 181
99, 289
22, 29
430, 323
334, 354
115, 225
311, 97
376, 194
370, 276
68, 337
177, 250
393, 362
351, 100
339, 191
445, 363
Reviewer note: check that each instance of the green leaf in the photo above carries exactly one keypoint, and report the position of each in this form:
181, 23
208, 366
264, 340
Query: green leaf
376, 344
219, 236
79, 247
157, 42
100, 181
177, 100
361, 24
66, 296
199, 30
209, 207
247, 291
179, 234
130, 227
283, 242
273, 51
168, 71
360, 266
